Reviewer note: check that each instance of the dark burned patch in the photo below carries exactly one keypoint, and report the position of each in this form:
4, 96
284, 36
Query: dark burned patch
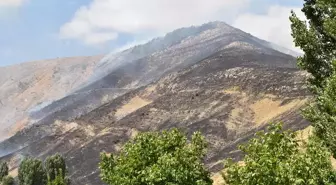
206, 127
84, 161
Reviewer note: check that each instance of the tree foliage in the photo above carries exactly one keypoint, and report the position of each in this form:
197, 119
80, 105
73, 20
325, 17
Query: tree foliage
276, 158
155, 158
54, 165
31, 172
8, 180
59, 178
317, 38
56, 170
3, 170
322, 114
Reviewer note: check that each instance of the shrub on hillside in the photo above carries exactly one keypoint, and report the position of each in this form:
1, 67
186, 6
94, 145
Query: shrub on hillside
8, 180
31, 172
3, 170
277, 158
55, 165
56, 170
158, 158
59, 179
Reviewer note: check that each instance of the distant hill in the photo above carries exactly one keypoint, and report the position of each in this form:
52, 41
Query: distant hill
27, 85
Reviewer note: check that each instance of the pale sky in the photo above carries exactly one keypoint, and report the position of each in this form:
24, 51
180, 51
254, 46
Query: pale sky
41, 29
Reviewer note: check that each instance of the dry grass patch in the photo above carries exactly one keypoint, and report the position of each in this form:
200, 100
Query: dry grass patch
267, 109
233, 90
64, 126
218, 179
14, 173
133, 105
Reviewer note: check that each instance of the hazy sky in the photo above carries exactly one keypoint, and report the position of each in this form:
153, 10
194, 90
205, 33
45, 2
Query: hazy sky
40, 29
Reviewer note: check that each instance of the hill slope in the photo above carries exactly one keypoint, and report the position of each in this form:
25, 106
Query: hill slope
27, 85
125, 71
212, 78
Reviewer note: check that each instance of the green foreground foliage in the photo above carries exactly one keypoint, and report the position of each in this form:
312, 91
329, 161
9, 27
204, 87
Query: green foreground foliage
51, 172
59, 179
4, 178
322, 114
8, 180
3, 170
31, 172
317, 38
276, 158
55, 167
156, 158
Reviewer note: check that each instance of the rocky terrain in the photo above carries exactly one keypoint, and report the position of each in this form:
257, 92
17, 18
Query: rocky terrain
213, 78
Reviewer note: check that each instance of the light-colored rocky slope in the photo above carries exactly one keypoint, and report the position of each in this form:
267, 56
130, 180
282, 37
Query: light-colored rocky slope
25, 86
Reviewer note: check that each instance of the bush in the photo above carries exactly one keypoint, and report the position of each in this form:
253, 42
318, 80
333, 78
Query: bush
54, 165
276, 158
158, 158
59, 179
8, 180
3, 170
31, 172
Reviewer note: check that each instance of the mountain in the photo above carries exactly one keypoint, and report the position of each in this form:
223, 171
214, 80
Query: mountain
122, 72
213, 78
26, 86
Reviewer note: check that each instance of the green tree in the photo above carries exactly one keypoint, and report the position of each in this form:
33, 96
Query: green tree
317, 38
59, 178
8, 180
55, 164
3, 170
322, 114
158, 158
31, 172
276, 158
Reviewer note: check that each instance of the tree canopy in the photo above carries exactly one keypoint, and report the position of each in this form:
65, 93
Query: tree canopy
31, 172
278, 158
317, 38
158, 158
3, 170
